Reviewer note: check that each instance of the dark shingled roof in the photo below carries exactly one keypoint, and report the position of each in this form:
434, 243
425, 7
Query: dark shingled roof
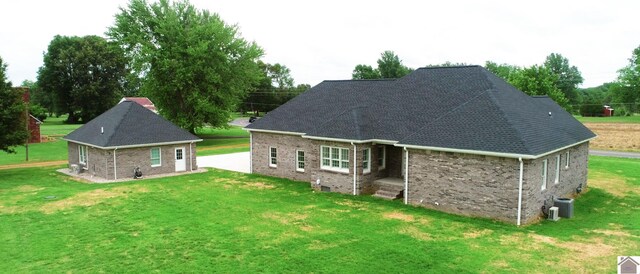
129, 124
466, 108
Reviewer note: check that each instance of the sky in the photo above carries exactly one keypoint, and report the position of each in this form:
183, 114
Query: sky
325, 40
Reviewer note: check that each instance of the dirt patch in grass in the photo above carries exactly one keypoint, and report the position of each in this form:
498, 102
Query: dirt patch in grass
616, 233
258, 185
353, 204
477, 233
321, 245
613, 184
395, 215
285, 219
27, 188
615, 136
415, 233
90, 198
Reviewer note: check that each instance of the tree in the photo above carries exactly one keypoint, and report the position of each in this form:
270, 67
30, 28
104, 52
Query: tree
13, 131
363, 72
568, 77
534, 80
194, 66
627, 90
82, 75
274, 89
389, 67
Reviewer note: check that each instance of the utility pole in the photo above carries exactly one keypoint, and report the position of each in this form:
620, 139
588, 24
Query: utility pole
26, 119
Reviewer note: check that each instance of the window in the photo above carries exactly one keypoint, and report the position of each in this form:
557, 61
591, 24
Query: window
83, 154
544, 174
566, 158
155, 157
366, 160
273, 157
300, 160
557, 180
382, 151
335, 158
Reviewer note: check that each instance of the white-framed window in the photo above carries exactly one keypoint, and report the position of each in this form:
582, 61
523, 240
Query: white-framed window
366, 160
82, 152
273, 157
334, 158
300, 160
557, 179
566, 159
544, 175
156, 157
382, 162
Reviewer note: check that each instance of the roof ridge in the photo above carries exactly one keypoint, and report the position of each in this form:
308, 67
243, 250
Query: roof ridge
364, 80
448, 67
119, 121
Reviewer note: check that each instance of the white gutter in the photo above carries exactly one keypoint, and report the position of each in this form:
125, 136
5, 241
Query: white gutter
273, 131
251, 152
406, 176
490, 153
355, 164
520, 191
136, 145
115, 165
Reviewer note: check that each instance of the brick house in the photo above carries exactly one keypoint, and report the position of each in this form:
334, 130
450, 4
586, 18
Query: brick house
129, 136
455, 139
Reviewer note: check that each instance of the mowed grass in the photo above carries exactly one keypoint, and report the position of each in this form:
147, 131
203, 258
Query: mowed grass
613, 119
55, 127
222, 221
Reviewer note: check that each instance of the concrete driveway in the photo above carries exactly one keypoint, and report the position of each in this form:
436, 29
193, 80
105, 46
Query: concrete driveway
234, 161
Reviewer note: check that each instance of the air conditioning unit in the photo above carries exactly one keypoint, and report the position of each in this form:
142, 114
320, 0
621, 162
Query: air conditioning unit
553, 213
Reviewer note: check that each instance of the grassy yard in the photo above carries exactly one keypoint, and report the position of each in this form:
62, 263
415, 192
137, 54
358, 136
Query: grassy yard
222, 221
614, 119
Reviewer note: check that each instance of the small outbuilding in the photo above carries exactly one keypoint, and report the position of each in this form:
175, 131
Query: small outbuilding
130, 136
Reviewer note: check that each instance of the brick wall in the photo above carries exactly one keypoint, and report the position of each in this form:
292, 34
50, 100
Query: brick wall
464, 184
570, 178
100, 162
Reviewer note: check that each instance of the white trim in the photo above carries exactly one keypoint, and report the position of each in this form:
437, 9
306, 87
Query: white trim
557, 179
298, 160
520, 191
271, 157
567, 156
115, 165
134, 146
368, 160
159, 156
84, 148
545, 168
406, 176
273, 131
175, 156
490, 153
355, 165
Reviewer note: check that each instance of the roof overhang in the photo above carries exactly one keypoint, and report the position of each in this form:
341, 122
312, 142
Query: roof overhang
136, 145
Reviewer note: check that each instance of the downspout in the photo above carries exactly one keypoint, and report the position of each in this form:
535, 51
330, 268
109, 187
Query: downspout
406, 176
520, 191
355, 164
251, 152
115, 166
190, 157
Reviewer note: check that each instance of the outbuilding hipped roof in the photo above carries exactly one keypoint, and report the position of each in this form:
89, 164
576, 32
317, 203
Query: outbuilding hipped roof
463, 108
129, 124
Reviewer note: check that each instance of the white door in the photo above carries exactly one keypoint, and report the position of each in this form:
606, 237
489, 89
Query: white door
181, 163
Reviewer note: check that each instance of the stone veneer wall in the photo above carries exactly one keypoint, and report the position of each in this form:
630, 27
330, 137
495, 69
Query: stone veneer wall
570, 178
464, 184
100, 162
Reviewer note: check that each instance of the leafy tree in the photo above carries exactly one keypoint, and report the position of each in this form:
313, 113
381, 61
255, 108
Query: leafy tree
627, 90
362, 72
447, 64
194, 66
82, 75
568, 77
13, 131
534, 80
274, 89
40, 103
389, 67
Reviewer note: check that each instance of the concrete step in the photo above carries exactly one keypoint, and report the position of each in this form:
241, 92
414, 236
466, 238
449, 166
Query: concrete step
389, 195
391, 188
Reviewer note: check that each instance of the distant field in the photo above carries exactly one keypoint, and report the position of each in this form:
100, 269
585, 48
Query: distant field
615, 136
614, 119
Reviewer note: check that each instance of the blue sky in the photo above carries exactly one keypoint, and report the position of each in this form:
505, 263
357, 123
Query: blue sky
322, 40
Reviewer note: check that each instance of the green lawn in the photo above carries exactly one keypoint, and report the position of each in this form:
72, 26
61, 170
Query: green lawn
613, 119
55, 126
229, 222
232, 131
41, 152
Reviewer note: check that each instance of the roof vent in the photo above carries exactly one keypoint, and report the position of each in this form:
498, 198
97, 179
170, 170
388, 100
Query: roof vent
549, 113
102, 129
